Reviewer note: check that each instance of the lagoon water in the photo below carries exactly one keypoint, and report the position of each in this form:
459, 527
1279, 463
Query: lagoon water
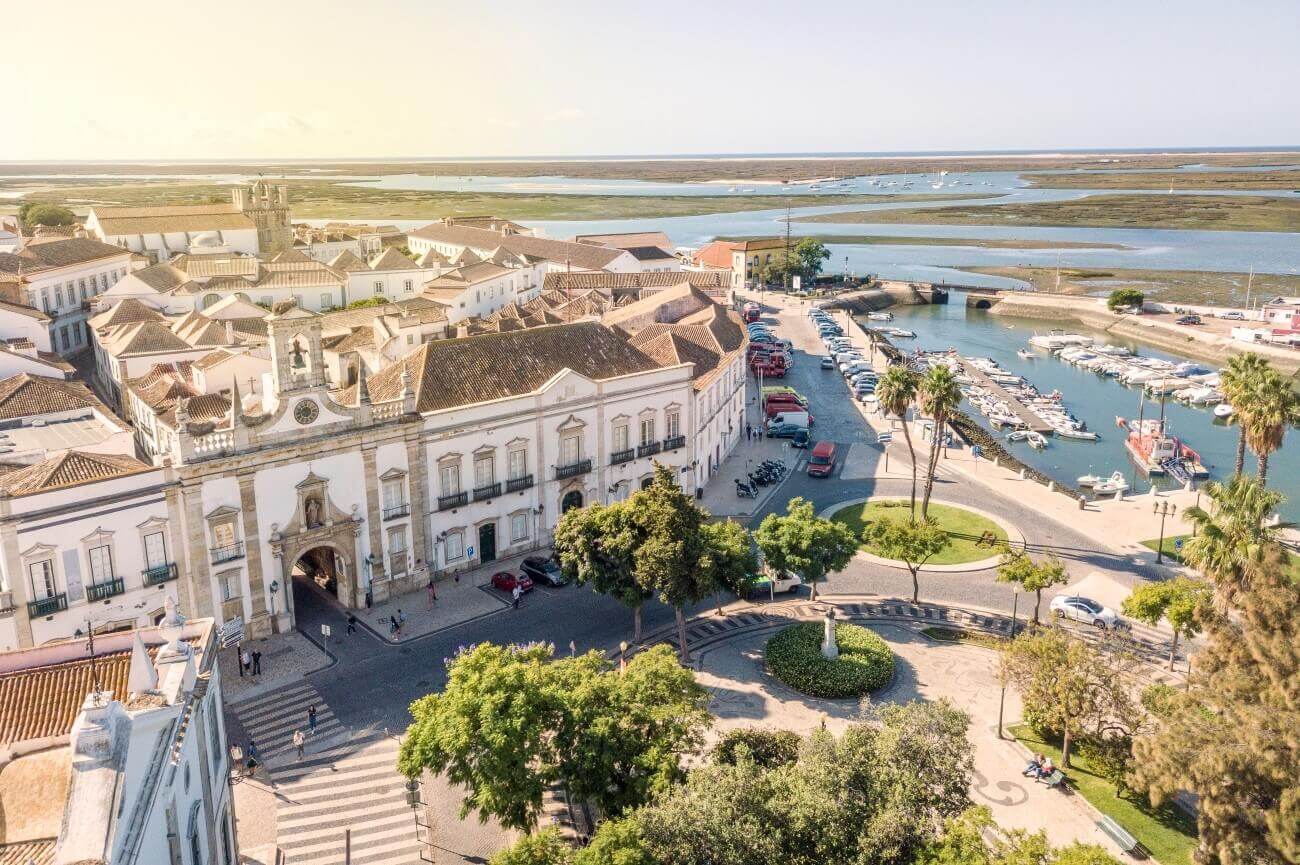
1090, 397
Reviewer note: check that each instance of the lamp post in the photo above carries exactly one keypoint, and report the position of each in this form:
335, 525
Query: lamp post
1164, 509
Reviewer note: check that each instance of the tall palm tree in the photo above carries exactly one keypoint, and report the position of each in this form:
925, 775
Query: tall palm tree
897, 393
1274, 407
1231, 535
940, 395
1240, 378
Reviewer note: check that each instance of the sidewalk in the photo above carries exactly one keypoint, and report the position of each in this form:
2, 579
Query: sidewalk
720, 498
285, 658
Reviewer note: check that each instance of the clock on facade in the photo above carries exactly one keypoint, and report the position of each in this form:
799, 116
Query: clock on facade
306, 411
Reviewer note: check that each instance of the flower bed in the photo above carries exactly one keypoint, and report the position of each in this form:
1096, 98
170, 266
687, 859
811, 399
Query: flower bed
865, 664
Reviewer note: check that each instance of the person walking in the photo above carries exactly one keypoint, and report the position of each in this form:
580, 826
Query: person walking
253, 758
401, 620
352, 624
245, 662
298, 742
311, 718
257, 663
516, 593
433, 593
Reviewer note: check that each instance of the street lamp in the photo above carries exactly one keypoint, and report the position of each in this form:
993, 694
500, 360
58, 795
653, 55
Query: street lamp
1164, 509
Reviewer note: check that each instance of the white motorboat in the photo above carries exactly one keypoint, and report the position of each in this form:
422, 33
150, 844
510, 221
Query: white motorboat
1036, 440
1224, 410
901, 334
1080, 434
1088, 481
1017, 435
1024, 355
880, 316
1114, 484
1057, 339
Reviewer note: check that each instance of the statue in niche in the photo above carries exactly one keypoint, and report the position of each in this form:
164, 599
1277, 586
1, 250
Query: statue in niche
296, 353
313, 512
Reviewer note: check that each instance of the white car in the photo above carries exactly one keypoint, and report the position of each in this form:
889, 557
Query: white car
781, 584
1083, 609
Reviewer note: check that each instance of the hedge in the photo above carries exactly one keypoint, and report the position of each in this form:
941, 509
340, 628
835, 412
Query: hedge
865, 664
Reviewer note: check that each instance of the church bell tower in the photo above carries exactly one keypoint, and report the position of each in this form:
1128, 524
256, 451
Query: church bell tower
268, 207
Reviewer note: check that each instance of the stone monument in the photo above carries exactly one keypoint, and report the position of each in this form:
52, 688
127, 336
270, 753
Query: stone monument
830, 650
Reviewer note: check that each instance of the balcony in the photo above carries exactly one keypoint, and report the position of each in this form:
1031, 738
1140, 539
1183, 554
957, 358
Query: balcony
617, 458
646, 450
397, 511
159, 574
227, 553
514, 485
47, 606
581, 467
455, 500
487, 491
105, 590
673, 443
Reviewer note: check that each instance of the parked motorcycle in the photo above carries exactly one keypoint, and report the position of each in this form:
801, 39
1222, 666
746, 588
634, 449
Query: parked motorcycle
746, 491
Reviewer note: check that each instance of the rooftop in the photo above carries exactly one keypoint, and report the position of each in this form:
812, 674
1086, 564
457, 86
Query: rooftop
171, 218
37, 257
69, 469
583, 255
25, 395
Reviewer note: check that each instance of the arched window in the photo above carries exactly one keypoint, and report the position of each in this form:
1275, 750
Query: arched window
209, 299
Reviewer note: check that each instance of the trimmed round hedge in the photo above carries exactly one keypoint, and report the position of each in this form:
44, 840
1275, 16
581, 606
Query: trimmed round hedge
865, 664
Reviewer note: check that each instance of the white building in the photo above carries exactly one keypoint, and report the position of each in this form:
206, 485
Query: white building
387, 275
53, 281
118, 757
652, 249
451, 237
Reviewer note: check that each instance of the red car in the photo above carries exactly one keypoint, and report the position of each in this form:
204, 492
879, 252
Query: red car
506, 581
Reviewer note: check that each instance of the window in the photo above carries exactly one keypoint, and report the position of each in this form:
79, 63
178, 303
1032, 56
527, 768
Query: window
43, 585
570, 450
449, 478
455, 546
397, 550
620, 436
518, 527
266, 301
379, 286
230, 584
63, 336
674, 423
484, 471
647, 430
223, 533
394, 494
155, 550
82, 283
58, 296
45, 299
327, 300
518, 463
408, 286
101, 564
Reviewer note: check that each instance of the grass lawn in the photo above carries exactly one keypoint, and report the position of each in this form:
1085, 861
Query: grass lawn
964, 527
1171, 552
1169, 833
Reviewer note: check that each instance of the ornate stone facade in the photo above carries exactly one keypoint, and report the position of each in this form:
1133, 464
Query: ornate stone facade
268, 207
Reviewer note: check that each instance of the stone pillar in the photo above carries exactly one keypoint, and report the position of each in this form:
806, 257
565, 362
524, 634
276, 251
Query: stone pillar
417, 481
197, 573
258, 623
375, 522
17, 580
179, 554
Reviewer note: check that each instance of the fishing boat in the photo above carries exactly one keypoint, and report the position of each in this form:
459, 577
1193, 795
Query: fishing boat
1036, 440
1024, 354
1017, 435
1080, 434
1154, 450
900, 333
880, 316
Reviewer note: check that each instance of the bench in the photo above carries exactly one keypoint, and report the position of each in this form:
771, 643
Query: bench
1056, 779
1118, 834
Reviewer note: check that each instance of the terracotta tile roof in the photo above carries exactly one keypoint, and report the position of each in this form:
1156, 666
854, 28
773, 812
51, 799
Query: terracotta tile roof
393, 260
144, 337
453, 372
581, 255
28, 852
58, 253
24, 395
208, 265
650, 253
627, 240
69, 469
297, 275
163, 277
468, 275
215, 358
347, 261
712, 282
291, 255
125, 312
23, 310
44, 701
171, 218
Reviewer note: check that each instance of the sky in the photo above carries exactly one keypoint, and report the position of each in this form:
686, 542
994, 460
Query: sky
235, 79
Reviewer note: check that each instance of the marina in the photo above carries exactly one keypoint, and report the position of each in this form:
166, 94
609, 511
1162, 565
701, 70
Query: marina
1025, 419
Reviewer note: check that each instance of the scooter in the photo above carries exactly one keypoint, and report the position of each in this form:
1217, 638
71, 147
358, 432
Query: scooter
746, 491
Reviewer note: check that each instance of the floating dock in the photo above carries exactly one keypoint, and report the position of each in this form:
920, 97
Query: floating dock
1028, 418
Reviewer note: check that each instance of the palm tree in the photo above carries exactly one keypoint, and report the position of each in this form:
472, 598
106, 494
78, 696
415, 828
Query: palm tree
1274, 406
897, 393
940, 395
1231, 536
1239, 380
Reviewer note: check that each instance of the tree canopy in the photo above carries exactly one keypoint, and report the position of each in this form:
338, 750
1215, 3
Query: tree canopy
803, 543
1182, 601
34, 213
596, 546
1123, 298
1031, 576
912, 543
514, 720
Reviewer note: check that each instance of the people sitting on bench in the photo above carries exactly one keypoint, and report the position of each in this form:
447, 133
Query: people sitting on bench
1046, 769
1034, 765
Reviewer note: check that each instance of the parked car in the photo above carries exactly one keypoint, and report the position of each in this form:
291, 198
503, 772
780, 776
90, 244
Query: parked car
1233, 315
1082, 609
1188, 319
801, 439
828, 362
821, 462
543, 570
778, 584
783, 430
506, 581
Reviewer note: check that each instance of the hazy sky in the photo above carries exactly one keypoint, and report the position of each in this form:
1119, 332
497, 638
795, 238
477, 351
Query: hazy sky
138, 79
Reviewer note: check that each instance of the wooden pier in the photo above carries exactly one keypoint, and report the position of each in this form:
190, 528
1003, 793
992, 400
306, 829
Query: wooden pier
1031, 420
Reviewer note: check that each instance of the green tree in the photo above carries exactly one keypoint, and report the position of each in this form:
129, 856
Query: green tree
973, 838
597, 545
1122, 298
1181, 600
940, 395
767, 748
512, 721
1031, 576
809, 253
1232, 739
912, 543
617, 842
1240, 377
34, 213
897, 393
1067, 683
1231, 535
803, 543
1273, 407
729, 562
547, 847
365, 302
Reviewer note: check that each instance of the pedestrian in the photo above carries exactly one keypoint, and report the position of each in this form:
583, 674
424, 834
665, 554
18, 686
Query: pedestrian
401, 620
516, 593
749, 431
433, 593
311, 718
352, 624
257, 663
245, 662
253, 758
236, 755
298, 741
392, 627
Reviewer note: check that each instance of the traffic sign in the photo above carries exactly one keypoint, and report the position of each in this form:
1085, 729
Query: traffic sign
469, 552
232, 632
798, 281
324, 630
977, 451
1178, 543
885, 438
